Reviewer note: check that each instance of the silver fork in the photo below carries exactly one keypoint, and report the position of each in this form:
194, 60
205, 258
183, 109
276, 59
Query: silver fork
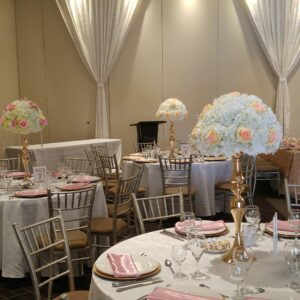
206, 286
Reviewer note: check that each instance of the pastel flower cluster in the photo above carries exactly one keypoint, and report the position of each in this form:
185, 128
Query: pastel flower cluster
23, 117
172, 109
237, 123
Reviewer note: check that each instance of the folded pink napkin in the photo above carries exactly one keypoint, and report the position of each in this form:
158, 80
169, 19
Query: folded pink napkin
123, 265
84, 178
282, 225
16, 174
74, 186
254, 298
168, 294
215, 225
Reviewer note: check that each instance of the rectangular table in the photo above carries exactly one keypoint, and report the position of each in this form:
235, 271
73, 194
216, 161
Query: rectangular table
25, 211
204, 177
50, 154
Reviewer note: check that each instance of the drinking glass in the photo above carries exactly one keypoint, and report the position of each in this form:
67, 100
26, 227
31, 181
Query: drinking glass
63, 171
243, 258
292, 257
238, 275
197, 245
252, 215
188, 221
179, 253
294, 221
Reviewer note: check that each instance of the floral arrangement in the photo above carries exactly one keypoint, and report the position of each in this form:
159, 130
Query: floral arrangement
237, 123
23, 117
172, 109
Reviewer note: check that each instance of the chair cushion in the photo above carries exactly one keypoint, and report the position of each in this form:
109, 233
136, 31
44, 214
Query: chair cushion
110, 210
76, 239
104, 225
113, 190
176, 190
76, 295
269, 167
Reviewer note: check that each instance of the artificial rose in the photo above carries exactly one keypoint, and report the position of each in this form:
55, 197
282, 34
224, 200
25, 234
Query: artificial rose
212, 137
258, 107
244, 134
23, 123
272, 136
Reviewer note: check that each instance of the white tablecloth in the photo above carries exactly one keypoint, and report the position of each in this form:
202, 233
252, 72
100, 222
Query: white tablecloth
50, 154
24, 212
268, 271
204, 177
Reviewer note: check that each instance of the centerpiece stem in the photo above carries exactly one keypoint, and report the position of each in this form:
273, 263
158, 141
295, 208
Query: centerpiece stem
25, 157
172, 139
237, 205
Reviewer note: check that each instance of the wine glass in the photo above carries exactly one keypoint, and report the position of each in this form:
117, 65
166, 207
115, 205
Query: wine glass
292, 257
188, 222
179, 253
243, 258
197, 245
294, 221
238, 275
252, 215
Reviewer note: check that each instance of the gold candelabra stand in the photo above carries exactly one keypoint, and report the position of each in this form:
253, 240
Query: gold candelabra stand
172, 139
25, 157
237, 205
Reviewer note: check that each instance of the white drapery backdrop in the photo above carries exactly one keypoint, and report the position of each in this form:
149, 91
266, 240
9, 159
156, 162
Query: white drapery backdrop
98, 29
277, 24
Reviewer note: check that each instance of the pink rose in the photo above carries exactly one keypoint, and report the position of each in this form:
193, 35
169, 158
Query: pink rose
10, 106
272, 136
14, 123
212, 137
23, 123
259, 107
244, 135
43, 122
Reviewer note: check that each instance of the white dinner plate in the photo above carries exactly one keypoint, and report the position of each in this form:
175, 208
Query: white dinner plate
144, 265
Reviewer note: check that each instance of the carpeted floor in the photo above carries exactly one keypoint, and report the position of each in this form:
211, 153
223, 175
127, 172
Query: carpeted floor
21, 289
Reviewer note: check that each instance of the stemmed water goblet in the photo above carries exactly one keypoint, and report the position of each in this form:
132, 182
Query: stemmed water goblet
243, 258
294, 221
188, 221
197, 246
179, 253
252, 215
238, 275
292, 257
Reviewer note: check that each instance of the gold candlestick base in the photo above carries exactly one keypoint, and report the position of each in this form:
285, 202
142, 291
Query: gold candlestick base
172, 139
25, 157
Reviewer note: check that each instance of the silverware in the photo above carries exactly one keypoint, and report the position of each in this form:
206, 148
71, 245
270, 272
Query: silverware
133, 286
206, 286
130, 282
168, 264
171, 234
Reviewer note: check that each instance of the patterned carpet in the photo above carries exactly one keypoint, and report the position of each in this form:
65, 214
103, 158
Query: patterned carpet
21, 289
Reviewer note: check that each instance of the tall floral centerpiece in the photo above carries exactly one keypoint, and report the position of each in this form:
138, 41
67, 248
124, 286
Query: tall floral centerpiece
237, 123
172, 109
23, 117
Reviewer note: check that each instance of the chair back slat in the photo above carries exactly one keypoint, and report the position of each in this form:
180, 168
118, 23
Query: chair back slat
140, 147
157, 208
38, 247
79, 165
11, 164
292, 194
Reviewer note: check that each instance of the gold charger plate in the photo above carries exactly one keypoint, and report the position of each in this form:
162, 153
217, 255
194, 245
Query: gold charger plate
208, 234
111, 277
281, 233
215, 158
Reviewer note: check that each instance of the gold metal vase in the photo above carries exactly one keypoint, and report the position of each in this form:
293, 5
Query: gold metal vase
25, 157
237, 205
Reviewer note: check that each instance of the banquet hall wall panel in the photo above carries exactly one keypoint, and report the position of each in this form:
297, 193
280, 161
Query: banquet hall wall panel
9, 79
194, 50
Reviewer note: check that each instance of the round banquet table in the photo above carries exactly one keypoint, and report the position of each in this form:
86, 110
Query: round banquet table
268, 271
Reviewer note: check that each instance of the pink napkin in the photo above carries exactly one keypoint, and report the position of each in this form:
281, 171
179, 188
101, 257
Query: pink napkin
168, 294
215, 225
253, 298
31, 193
16, 174
84, 178
282, 225
75, 186
123, 265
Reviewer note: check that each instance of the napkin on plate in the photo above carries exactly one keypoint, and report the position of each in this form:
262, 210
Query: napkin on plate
82, 178
215, 225
254, 298
16, 174
169, 294
123, 265
74, 186
282, 225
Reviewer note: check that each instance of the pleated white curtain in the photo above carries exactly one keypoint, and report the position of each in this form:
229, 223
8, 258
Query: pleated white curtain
277, 24
98, 29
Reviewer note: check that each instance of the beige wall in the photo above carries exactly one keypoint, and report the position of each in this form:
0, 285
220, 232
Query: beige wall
9, 80
194, 50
